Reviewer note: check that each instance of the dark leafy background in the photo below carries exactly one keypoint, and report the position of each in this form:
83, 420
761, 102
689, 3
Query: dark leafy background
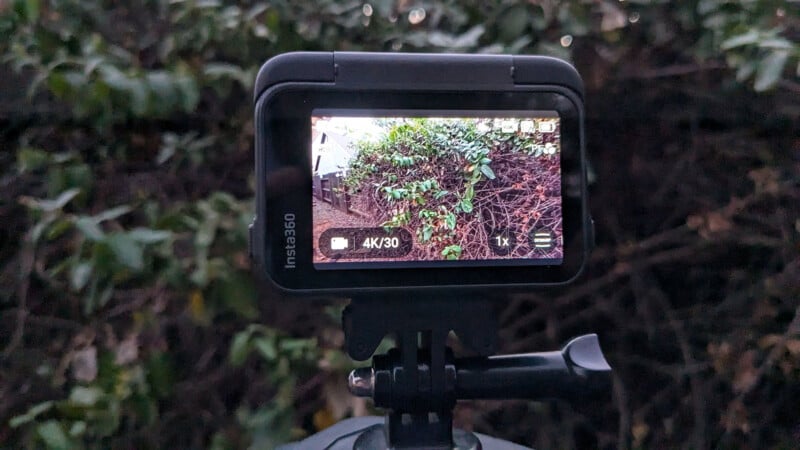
128, 317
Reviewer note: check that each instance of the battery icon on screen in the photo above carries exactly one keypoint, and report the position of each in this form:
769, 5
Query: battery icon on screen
547, 126
339, 243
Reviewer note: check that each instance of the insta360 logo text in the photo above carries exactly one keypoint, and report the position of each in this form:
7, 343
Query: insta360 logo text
291, 236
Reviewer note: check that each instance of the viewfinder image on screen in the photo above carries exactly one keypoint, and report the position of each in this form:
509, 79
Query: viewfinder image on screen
416, 191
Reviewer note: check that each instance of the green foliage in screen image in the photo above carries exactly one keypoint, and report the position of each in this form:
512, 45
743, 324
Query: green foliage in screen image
424, 173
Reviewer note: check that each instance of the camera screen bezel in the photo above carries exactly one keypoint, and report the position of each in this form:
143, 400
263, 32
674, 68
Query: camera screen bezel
284, 188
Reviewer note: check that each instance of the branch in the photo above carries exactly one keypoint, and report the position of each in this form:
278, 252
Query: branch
27, 257
648, 290
672, 71
45, 321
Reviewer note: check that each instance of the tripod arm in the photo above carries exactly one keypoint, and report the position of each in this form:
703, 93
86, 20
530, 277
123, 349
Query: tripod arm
579, 370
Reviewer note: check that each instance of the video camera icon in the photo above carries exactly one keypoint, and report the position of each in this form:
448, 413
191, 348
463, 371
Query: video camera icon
340, 243
365, 243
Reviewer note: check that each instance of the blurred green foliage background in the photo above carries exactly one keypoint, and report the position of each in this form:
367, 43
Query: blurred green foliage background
128, 316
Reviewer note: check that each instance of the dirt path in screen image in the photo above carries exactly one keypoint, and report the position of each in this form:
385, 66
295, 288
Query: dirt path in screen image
326, 216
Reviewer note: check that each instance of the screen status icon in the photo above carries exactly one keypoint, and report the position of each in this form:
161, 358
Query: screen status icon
527, 126
547, 126
502, 242
339, 243
541, 239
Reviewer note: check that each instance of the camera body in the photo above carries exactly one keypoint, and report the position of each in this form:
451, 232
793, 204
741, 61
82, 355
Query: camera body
425, 172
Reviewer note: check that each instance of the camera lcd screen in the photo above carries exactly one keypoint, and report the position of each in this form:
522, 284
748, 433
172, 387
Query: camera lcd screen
394, 190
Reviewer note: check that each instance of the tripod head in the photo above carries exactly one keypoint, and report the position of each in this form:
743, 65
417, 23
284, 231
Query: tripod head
420, 381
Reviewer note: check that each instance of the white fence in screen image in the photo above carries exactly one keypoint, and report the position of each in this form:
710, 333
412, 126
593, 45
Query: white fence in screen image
332, 149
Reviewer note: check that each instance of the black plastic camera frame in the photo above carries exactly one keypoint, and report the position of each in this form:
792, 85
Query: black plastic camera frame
291, 87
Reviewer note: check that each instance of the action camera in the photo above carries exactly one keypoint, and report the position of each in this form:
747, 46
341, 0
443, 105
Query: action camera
381, 171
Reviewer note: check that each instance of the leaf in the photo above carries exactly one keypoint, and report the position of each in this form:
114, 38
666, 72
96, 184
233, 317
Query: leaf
238, 294
469, 193
266, 346
80, 275
88, 226
144, 408
38, 229
197, 307
27, 9
427, 232
78, 176
219, 441
30, 415
323, 419
148, 235
707, 6
164, 90
296, 346
77, 428
745, 71
58, 85
255, 11
240, 348
126, 250
748, 38
488, 172
770, 70
468, 39
30, 159
165, 153
189, 92
206, 231
513, 22
466, 206
53, 435
208, 4
107, 423
58, 228
776, 44
450, 221
200, 275
222, 70
111, 214
115, 79
160, 373
46, 205
138, 96
452, 252
85, 396
105, 295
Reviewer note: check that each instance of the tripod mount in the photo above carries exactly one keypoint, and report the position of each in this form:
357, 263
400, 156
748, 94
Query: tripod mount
419, 381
